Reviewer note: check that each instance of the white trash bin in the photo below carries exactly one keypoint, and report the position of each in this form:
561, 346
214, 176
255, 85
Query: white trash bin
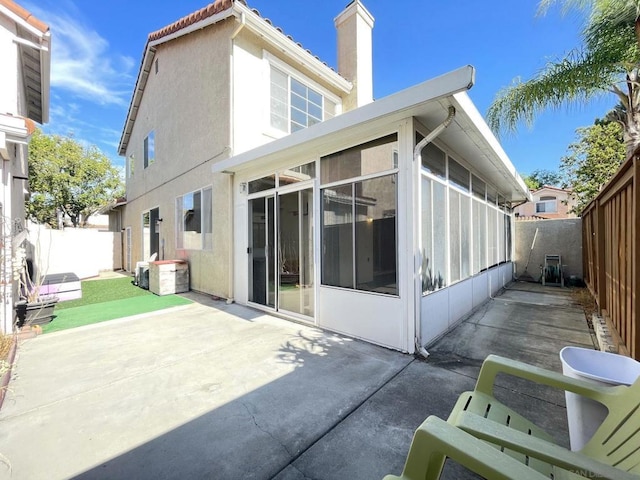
584, 415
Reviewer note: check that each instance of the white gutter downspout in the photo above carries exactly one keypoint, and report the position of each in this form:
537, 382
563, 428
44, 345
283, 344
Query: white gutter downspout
231, 276
417, 159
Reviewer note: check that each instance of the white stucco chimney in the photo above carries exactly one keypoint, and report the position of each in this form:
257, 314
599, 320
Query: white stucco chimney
355, 53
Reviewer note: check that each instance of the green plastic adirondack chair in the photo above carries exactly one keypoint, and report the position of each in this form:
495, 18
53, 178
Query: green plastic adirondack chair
479, 423
435, 440
613, 452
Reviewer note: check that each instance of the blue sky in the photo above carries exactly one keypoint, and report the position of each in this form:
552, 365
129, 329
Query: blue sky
97, 49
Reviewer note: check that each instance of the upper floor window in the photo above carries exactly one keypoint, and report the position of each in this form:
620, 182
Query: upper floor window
149, 149
547, 205
296, 105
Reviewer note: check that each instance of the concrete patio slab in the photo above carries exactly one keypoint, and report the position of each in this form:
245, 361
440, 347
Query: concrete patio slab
194, 393
222, 391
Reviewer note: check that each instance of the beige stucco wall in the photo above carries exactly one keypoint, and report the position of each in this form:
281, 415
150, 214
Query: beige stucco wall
202, 77
187, 105
555, 237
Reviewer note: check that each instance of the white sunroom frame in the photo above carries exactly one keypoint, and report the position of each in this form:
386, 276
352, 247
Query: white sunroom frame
397, 322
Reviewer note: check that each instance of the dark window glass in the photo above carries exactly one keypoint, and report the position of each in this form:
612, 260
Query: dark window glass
458, 175
261, 184
433, 160
337, 236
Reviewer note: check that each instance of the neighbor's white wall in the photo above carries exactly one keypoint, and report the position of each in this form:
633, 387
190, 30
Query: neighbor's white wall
84, 252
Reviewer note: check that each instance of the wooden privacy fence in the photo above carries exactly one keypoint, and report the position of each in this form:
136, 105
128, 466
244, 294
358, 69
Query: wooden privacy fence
611, 238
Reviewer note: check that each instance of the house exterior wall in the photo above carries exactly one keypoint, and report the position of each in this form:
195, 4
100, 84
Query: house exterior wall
251, 89
187, 105
12, 101
9, 89
217, 108
563, 204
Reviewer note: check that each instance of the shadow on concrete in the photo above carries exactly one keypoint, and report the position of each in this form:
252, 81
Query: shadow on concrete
258, 434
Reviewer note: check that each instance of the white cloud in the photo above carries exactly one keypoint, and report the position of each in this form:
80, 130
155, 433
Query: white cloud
81, 62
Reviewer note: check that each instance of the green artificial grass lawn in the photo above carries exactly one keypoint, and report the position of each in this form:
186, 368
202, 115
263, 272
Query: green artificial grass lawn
99, 291
104, 300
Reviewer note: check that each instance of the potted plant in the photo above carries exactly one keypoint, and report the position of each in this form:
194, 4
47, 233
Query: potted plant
32, 308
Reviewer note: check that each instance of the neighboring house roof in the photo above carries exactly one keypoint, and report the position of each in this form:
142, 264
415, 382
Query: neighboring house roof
34, 41
549, 187
213, 13
429, 102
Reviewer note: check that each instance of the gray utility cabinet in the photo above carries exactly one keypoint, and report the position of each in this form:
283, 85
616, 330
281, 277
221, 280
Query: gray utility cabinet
168, 276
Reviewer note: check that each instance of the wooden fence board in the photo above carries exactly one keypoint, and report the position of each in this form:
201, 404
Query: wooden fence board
611, 243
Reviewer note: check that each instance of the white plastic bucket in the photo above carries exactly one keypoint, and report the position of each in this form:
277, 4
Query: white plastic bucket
584, 415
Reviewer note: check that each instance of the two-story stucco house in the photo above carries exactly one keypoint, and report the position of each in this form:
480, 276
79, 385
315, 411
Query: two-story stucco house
288, 189
25, 63
547, 202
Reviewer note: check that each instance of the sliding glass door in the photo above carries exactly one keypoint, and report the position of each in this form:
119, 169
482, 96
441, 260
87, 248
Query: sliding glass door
281, 270
261, 251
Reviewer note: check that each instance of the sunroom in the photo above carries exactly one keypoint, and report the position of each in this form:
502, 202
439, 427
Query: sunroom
388, 223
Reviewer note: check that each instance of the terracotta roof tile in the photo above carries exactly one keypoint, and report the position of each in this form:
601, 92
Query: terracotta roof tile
25, 15
210, 10
195, 17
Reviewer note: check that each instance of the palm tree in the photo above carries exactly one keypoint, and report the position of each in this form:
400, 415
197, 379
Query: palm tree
608, 62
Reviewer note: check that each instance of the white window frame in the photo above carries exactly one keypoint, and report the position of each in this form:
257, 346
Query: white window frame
179, 218
390, 172
500, 238
547, 203
270, 60
147, 161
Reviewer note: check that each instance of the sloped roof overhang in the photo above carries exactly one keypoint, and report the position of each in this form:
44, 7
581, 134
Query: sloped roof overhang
210, 15
34, 45
429, 103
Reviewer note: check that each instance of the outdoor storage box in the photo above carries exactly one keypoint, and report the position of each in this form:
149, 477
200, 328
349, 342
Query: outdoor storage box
64, 286
168, 276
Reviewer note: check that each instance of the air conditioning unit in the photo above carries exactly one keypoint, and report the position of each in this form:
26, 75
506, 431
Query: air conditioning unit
142, 275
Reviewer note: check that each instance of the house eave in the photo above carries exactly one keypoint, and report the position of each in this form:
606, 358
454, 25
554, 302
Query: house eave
33, 41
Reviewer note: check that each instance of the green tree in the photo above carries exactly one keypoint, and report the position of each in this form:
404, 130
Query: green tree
65, 175
593, 159
607, 62
539, 178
